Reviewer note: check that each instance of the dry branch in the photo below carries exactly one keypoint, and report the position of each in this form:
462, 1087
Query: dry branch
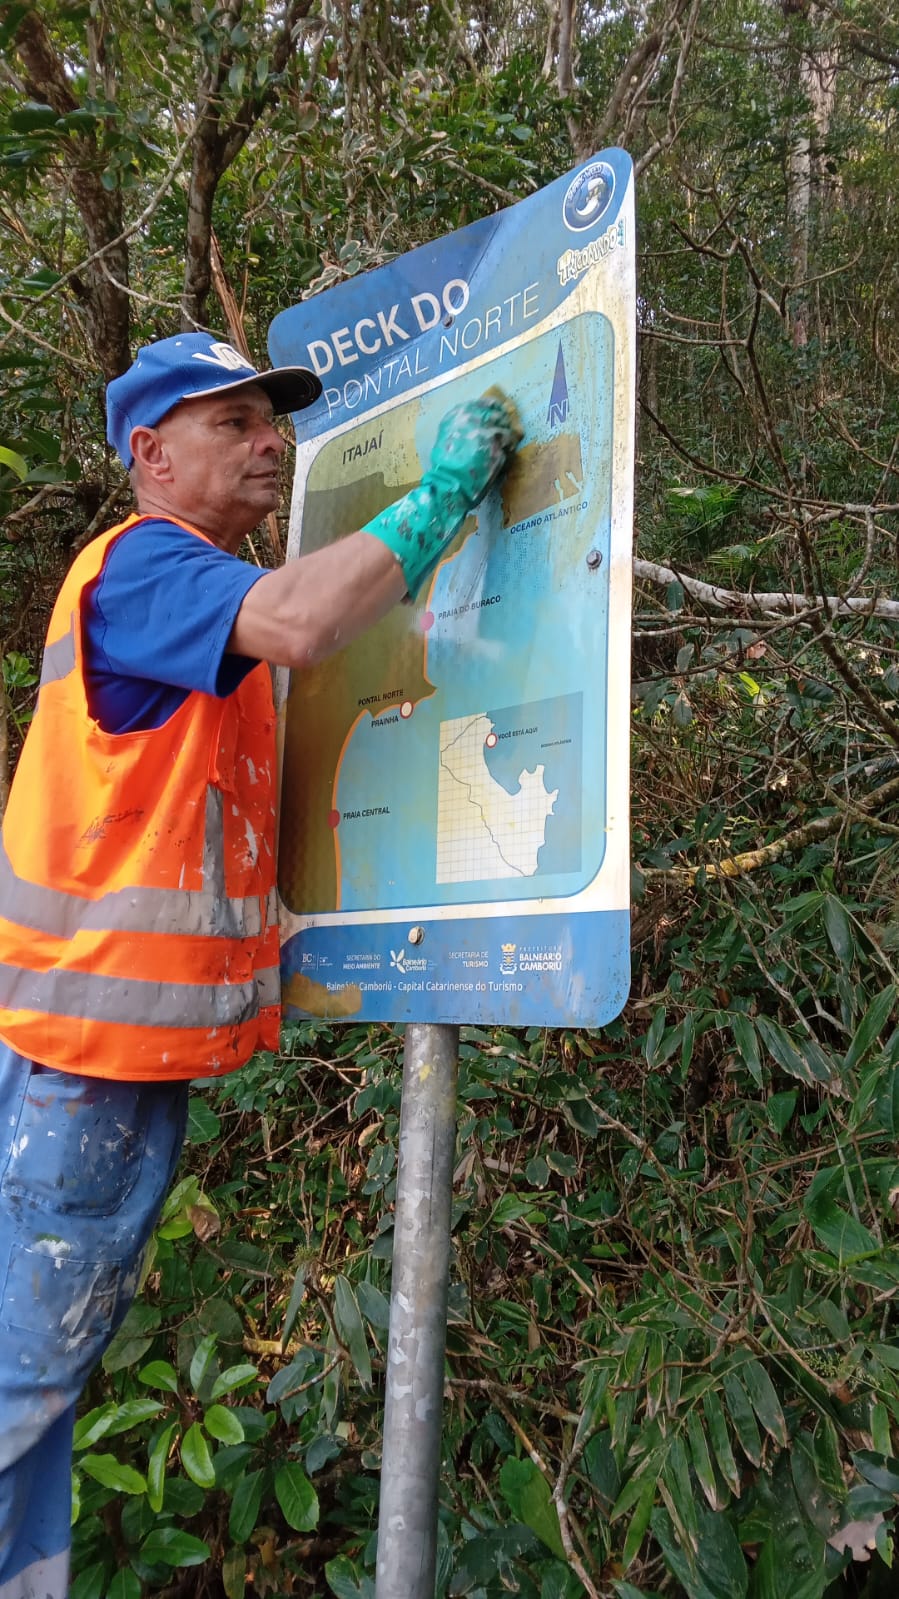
796, 604
750, 860
238, 336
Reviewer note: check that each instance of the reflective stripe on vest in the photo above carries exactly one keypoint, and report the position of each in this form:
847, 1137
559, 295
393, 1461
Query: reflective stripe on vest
59, 658
204, 913
136, 1003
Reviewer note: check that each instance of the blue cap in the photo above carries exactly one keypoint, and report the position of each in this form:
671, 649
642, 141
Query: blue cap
185, 368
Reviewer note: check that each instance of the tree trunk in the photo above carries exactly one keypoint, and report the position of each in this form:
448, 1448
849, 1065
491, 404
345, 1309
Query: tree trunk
105, 277
218, 143
205, 173
815, 75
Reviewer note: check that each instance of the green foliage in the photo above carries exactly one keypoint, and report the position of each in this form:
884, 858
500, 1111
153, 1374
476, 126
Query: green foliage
682, 1306
19, 681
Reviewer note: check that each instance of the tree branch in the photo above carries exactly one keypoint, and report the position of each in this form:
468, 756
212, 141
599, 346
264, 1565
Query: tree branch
670, 134
750, 860
800, 606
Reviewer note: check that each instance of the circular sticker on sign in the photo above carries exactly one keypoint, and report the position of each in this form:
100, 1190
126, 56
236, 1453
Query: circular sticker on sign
588, 196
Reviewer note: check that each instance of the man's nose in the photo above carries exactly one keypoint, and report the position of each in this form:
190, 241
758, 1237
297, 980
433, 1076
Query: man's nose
269, 439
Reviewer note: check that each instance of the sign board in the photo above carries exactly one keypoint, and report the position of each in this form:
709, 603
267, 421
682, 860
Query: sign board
454, 807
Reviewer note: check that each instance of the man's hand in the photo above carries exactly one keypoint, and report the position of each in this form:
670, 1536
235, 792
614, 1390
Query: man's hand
311, 607
474, 444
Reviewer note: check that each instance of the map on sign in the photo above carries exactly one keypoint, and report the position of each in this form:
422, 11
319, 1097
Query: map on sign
407, 788
453, 837
486, 830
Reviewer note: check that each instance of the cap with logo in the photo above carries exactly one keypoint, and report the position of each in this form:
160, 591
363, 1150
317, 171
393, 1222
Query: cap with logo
188, 367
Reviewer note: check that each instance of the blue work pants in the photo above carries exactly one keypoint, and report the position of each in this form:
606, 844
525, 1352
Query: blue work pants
84, 1168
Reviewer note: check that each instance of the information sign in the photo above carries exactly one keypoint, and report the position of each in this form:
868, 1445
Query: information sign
454, 809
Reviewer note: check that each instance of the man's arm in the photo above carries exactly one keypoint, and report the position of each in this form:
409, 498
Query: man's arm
315, 605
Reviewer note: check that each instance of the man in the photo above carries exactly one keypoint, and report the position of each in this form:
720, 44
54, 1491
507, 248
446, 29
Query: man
138, 922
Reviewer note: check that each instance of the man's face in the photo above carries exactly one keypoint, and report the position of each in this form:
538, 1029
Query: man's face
220, 463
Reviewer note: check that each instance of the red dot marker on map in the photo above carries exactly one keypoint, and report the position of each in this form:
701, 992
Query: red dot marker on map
333, 818
406, 708
491, 741
427, 621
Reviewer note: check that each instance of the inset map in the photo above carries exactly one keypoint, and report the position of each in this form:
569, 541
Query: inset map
495, 802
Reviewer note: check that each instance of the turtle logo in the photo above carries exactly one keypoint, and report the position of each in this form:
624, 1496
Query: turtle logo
588, 197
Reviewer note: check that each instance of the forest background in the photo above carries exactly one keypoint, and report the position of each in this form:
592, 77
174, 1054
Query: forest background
672, 1362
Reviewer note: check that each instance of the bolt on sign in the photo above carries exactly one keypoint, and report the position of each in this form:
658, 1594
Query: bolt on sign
454, 810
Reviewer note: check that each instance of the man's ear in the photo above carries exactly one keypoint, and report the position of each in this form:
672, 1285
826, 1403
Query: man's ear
150, 453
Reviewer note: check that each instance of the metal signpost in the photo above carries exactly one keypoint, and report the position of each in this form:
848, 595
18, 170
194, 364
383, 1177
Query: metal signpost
454, 812
416, 1339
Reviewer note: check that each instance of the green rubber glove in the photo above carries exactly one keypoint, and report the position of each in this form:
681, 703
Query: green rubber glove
473, 446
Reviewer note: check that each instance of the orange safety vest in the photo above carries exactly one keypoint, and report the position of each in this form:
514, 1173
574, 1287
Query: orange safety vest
138, 915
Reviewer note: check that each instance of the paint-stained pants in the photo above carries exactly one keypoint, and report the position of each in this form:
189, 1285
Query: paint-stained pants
84, 1168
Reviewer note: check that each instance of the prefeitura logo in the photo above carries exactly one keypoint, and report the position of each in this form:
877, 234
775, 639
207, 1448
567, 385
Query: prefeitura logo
588, 197
509, 965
